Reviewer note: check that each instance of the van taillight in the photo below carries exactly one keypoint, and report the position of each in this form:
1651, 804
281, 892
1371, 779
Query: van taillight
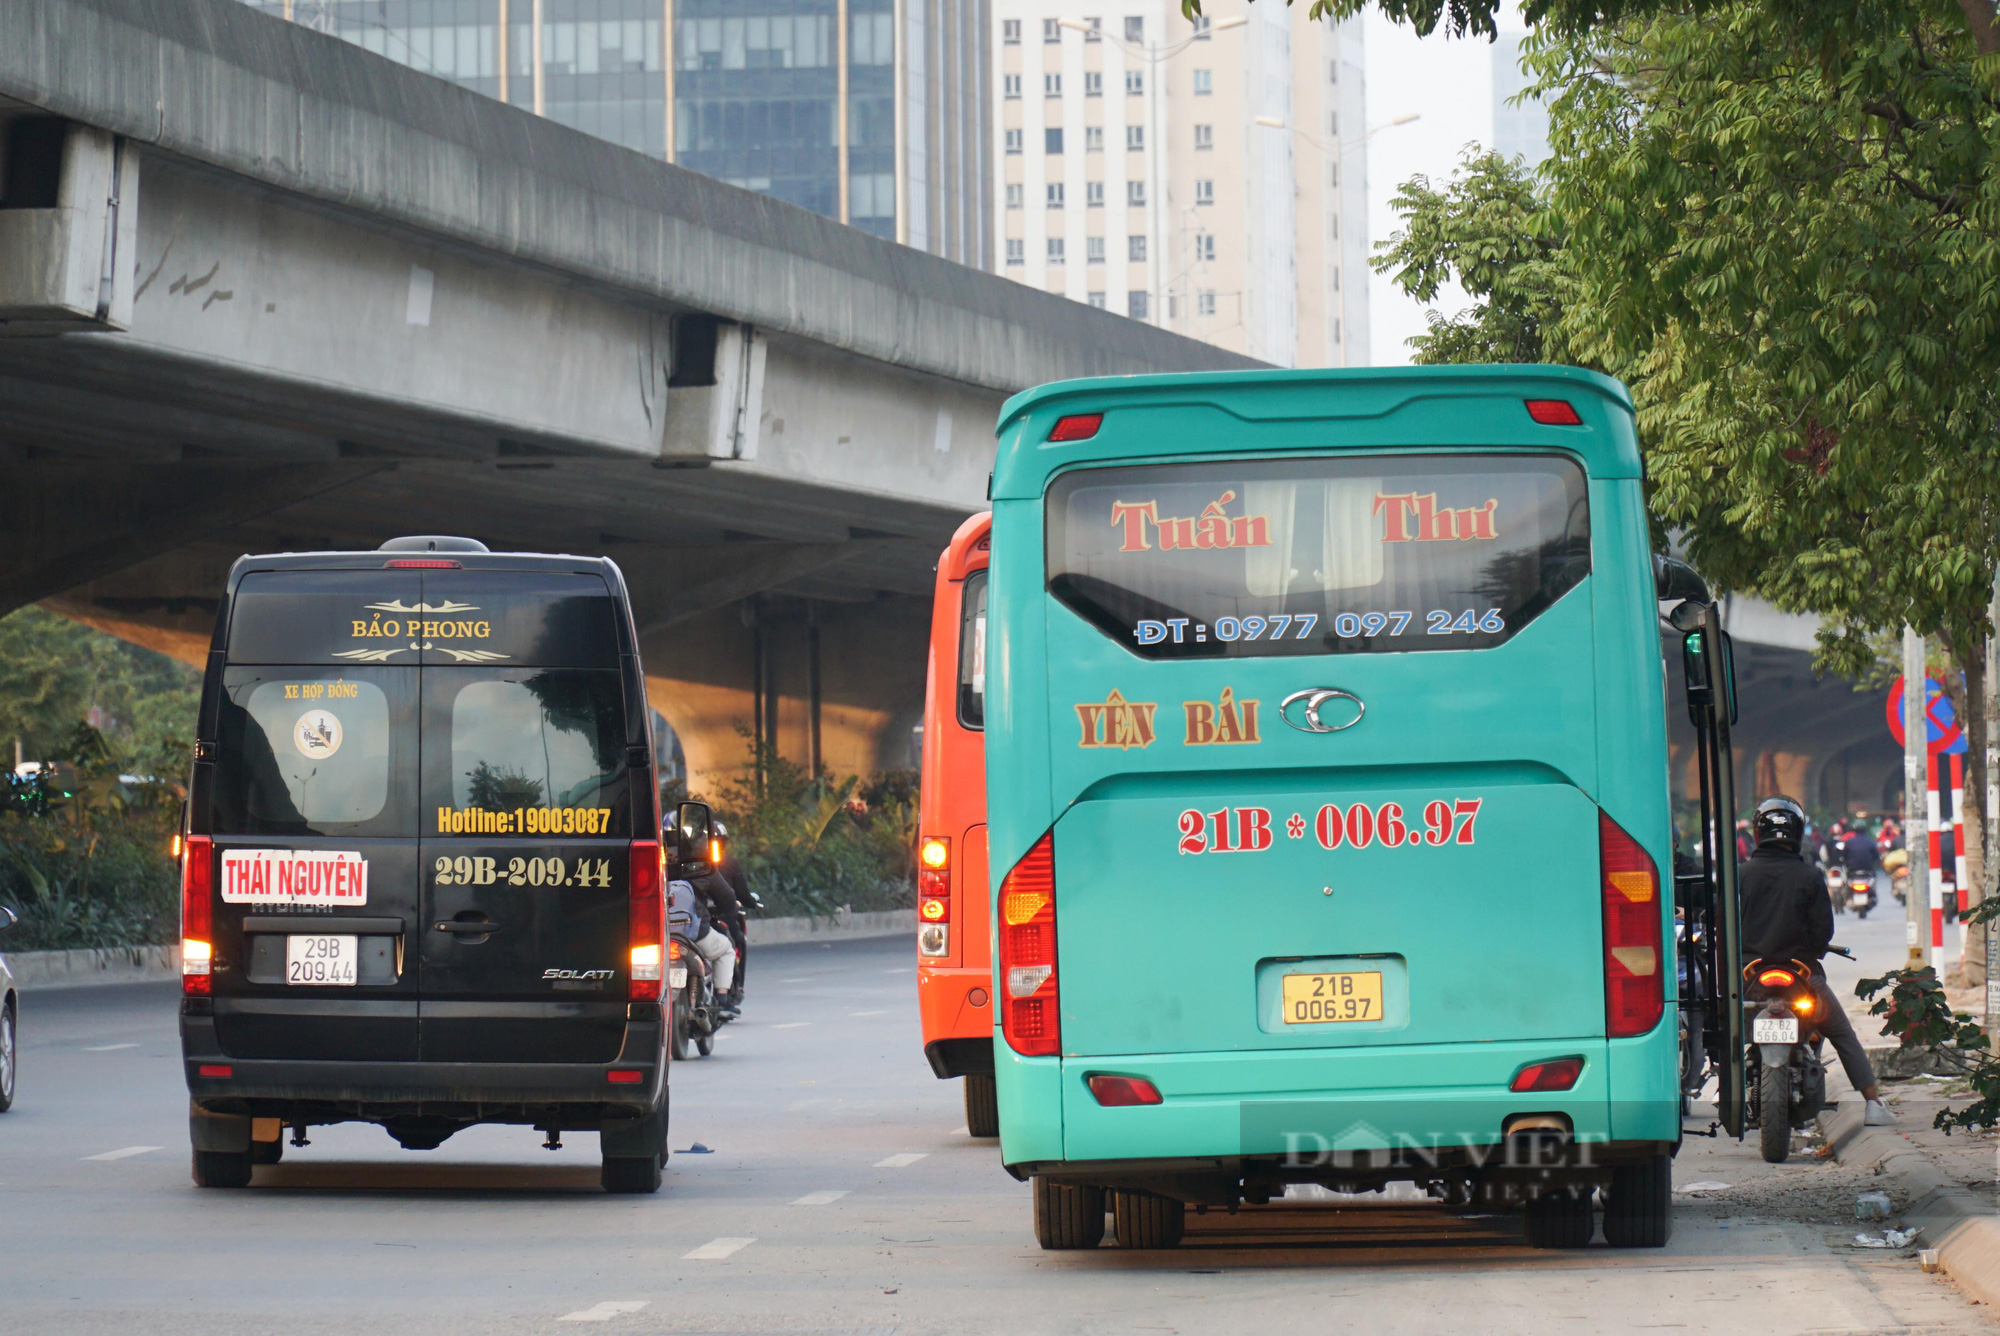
1634, 982
649, 919
1028, 1014
197, 913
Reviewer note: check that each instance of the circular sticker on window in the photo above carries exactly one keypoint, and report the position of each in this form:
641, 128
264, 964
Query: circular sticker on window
317, 734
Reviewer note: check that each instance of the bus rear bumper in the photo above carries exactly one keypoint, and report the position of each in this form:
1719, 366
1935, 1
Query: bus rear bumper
955, 1003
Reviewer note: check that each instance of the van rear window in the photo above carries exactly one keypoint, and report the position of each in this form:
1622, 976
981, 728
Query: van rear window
307, 752
1339, 554
535, 752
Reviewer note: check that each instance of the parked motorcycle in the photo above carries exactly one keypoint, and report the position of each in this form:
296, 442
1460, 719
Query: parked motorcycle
1783, 1074
698, 1013
1861, 893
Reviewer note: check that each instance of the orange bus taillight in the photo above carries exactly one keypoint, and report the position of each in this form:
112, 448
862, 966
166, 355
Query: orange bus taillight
1634, 982
197, 914
1028, 1015
934, 896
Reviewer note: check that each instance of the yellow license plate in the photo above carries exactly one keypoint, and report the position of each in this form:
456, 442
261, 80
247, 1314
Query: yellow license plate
1324, 999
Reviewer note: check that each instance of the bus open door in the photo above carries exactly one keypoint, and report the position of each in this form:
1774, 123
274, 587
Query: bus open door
954, 953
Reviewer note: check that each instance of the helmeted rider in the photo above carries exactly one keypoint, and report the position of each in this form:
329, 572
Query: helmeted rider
1786, 916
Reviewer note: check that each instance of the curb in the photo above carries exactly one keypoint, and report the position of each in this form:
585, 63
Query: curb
1964, 1230
41, 971
842, 927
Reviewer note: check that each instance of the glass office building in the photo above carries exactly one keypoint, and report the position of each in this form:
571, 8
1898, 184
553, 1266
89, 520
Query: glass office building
870, 111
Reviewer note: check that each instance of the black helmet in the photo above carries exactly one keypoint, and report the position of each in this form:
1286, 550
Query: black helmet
1780, 821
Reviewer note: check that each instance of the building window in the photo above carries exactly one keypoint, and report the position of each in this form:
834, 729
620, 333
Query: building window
1051, 31
1334, 220
1204, 246
1096, 33
1135, 82
1135, 193
1010, 31
1135, 248
1010, 85
1093, 139
1135, 138
1336, 331
1333, 71
1055, 194
1093, 83
1204, 192
1333, 175
1093, 249
1136, 304
1013, 141
1333, 124
1204, 302
1051, 85
1014, 193
1052, 140
1017, 251
1097, 300
1093, 194
1201, 27
1135, 30
1204, 82
1055, 250
1336, 278
1204, 137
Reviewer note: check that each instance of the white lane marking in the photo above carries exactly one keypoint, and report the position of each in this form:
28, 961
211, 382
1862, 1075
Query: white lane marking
961, 1131
107, 1048
605, 1311
825, 1198
792, 1025
903, 1161
804, 980
716, 1249
867, 1013
910, 971
121, 1153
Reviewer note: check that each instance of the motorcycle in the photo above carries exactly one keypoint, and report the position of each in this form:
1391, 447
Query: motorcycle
1897, 864
698, 1011
1861, 893
1691, 951
1783, 1074
1836, 887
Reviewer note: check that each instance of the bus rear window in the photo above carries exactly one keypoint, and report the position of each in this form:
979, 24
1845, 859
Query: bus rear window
1338, 554
972, 652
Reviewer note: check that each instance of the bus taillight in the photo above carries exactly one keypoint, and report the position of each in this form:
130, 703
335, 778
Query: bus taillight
934, 896
1028, 1015
1634, 983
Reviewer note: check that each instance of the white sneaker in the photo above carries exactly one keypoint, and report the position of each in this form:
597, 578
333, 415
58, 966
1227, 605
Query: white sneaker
1877, 1114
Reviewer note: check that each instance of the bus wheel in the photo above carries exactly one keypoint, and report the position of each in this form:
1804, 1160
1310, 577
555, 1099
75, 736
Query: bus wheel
1559, 1219
982, 1105
1142, 1220
1067, 1217
1638, 1206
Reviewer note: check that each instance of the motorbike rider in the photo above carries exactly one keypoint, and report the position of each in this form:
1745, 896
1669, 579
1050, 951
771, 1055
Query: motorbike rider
1859, 852
717, 945
1786, 916
730, 909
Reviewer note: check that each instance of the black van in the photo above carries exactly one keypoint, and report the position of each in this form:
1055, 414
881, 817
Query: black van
423, 877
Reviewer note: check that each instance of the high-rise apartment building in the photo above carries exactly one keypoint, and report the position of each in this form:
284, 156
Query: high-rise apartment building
1208, 177
1520, 121
870, 111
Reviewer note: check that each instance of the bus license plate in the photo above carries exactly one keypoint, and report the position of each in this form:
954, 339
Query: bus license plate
1323, 999
322, 961
1774, 1030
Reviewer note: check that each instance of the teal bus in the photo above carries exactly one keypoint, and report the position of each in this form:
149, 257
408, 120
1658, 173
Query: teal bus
1328, 800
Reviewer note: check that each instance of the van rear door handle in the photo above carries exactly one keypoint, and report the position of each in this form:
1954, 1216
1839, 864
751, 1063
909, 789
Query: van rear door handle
477, 927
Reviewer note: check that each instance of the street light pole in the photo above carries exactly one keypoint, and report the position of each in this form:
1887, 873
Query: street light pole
1916, 836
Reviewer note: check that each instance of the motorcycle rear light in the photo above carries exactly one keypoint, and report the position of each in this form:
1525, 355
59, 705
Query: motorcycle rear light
1029, 1018
1122, 1092
674, 949
1634, 983
197, 915
1777, 978
422, 564
1077, 427
1555, 1074
214, 1072
624, 1077
648, 919
1554, 413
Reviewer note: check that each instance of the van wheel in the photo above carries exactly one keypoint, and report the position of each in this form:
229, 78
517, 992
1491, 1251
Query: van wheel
222, 1168
1143, 1220
1560, 1219
1067, 1217
267, 1152
633, 1173
1774, 1114
7, 1057
982, 1105
1639, 1205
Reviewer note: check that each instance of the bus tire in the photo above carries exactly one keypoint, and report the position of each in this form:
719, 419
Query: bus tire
1774, 1114
1559, 1219
982, 1105
1067, 1217
222, 1169
1639, 1204
1143, 1220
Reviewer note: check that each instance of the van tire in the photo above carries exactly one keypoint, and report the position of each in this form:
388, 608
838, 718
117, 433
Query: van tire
1774, 1114
222, 1168
633, 1173
1143, 1220
1639, 1204
982, 1105
1559, 1219
1067, 1217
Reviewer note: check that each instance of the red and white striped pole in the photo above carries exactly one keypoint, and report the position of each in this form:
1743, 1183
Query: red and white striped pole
1959, 888
1936, 860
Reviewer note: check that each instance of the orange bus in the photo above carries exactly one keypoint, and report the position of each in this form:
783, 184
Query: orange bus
954, 942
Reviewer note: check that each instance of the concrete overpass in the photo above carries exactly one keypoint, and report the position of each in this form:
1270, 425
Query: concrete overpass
263, 290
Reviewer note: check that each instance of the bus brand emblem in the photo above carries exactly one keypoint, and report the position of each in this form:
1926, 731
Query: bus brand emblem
1117, 722
1307, 720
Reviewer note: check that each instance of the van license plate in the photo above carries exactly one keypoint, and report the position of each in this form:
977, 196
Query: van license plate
1323, 999
321, 961
1774, 1030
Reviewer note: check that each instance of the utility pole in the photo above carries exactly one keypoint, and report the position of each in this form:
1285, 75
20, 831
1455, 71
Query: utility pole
1916, 839
1989, 829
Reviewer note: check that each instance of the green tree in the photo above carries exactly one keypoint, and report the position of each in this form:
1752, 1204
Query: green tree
54, 670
